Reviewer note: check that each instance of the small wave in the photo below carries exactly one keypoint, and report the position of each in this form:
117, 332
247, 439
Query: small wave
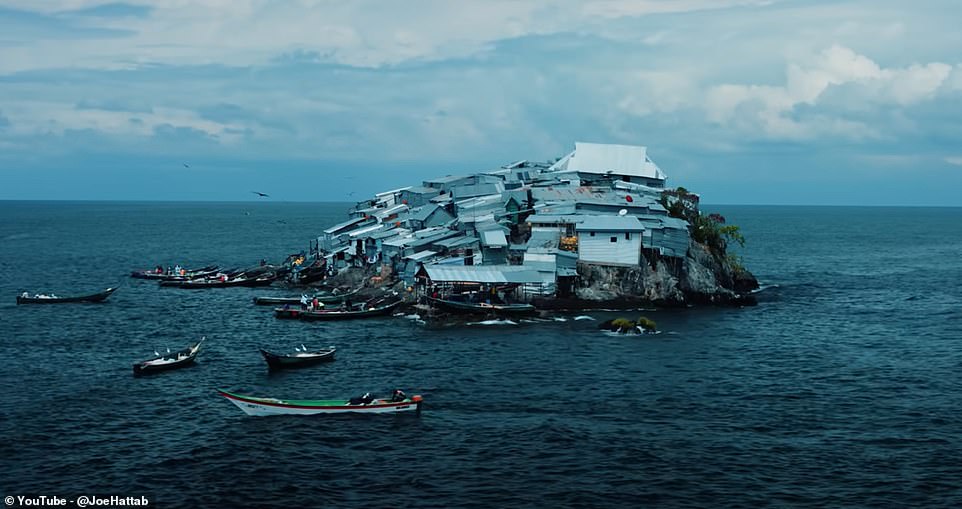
559, 319
762, 288
494, 322
415, 316
583, 317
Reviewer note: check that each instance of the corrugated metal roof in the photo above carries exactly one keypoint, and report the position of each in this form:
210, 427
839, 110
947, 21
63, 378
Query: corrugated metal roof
482, 273
493, 238
472, 190
456, 242
598, 158
610, 224
422, 213
421, 255
555, 218
345, 224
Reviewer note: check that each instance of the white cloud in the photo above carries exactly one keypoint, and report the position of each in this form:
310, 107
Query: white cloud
769, 109
954, 160
40, 118
362, 33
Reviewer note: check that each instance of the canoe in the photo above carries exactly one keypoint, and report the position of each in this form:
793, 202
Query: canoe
336, 314
297, 359
169, 361
164, 276
271, 406
53, 299
200, 284
325, 298
483, 308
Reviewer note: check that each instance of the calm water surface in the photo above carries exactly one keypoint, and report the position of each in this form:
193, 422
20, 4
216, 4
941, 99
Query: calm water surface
842, 388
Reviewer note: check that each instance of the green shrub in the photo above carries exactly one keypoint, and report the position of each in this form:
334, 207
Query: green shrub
622, 325
647, 323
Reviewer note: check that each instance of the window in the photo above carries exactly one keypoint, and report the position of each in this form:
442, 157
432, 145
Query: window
592, 234
614, 239
627, 236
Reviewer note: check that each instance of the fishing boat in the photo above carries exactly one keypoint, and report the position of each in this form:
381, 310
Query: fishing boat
169, 361
325, 298
41, 298
160, 275
458, 306
299, 358
343, 313
271, 406
222, 282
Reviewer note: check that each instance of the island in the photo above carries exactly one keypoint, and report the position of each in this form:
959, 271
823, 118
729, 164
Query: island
596, 228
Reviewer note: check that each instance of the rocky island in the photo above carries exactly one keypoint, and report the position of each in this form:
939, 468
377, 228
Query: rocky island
597, 228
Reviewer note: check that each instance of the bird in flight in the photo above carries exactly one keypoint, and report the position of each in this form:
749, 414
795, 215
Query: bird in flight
186, 165
261, 194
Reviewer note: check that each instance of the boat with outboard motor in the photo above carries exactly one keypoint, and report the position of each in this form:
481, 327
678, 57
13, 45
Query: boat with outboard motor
362, 405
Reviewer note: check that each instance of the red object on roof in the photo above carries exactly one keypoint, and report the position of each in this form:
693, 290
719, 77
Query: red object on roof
628, 198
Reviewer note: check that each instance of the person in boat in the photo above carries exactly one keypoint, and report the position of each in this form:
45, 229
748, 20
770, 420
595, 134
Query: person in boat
158, 269
177, 269
25, 295
305, 301
398, 395
361, 400
347, 304
169, 270
263, 262
315, 304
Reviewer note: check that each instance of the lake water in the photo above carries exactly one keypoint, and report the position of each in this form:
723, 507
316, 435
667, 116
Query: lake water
842, 388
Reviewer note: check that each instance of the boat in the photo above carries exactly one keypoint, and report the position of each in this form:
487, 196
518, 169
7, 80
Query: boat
160, 275
458, 306
169, 361
298, 359
223, 282
325, 298
271, 406
41, 298
365, 311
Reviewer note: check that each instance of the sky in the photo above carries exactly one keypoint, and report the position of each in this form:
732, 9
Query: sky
845, 102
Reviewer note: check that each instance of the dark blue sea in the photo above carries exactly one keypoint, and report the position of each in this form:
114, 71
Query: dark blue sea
842, 388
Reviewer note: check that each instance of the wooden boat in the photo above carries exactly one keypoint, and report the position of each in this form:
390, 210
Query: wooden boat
240, 280
271, 406
298, 359
366, 311
164, 276
25, 298
457, 306
169, 361
325, 298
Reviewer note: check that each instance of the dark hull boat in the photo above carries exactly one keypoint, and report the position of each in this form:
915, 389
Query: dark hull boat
200, 284
163, 276
337, 314
53, 299
455, 306
326, 299
169, 361
298, 359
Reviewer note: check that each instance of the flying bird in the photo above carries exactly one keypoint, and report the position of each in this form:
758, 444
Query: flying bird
261, 194
186, 165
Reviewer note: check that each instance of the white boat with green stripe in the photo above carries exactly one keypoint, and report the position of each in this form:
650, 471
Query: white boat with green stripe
271, 406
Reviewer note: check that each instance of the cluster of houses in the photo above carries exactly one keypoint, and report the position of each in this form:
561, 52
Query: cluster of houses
526, 223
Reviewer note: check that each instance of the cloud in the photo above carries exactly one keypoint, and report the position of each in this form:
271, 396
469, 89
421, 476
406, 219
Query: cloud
362, 34
954, 160
773, 110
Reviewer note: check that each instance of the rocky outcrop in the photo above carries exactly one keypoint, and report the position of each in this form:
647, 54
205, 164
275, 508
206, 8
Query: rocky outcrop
699, 278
